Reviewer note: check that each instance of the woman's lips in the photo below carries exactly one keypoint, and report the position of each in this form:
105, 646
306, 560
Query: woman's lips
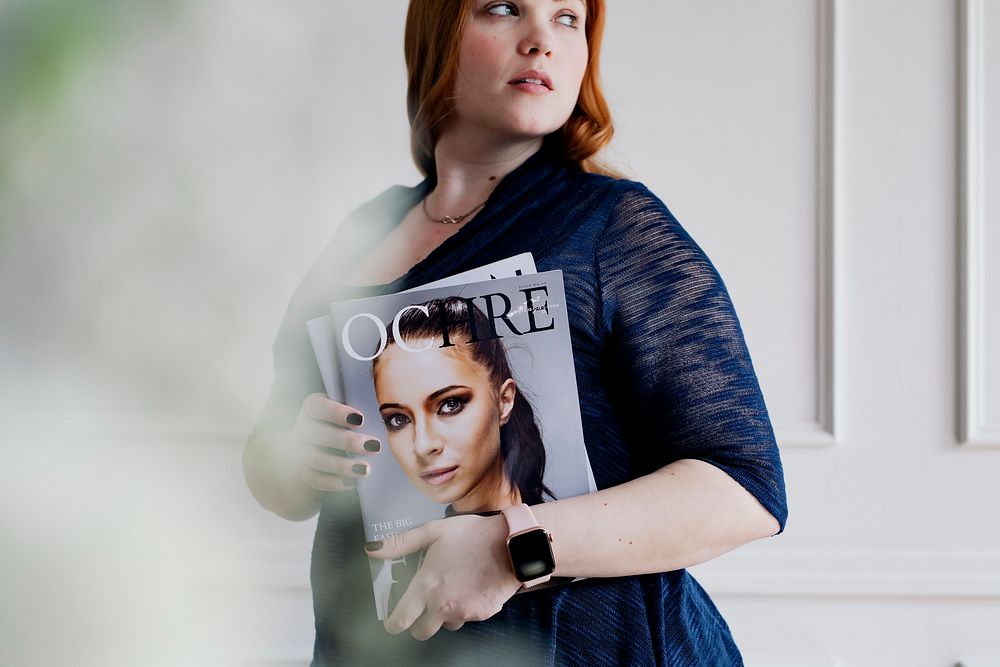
530, 87
532, 81
439, 475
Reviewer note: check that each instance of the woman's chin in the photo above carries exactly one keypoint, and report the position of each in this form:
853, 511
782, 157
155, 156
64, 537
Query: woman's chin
445, 494
520, 125
531, 129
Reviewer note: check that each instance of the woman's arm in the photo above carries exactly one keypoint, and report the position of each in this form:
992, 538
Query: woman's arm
686, 513
678, 365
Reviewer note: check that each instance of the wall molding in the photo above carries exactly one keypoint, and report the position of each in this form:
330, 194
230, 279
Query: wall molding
825, 430
854, 573
765, 572
973, 431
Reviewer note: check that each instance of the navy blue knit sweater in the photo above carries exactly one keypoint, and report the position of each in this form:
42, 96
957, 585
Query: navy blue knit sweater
663, 373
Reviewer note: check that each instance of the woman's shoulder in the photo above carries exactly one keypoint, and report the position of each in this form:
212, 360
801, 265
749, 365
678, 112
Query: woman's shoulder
637, 223
632, 193
617, 186
624, 200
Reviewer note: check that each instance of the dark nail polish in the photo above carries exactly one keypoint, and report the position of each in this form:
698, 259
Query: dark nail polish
350, 482
373, 546
373, 446
359, 469
355, 419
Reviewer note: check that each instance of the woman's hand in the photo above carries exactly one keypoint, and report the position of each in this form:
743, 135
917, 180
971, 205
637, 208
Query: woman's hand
289, 470
465, 576
324, 440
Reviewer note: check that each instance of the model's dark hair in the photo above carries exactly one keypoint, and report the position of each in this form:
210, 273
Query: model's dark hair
457, 321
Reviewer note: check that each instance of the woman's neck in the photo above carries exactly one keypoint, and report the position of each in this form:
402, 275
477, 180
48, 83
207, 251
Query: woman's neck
469, 168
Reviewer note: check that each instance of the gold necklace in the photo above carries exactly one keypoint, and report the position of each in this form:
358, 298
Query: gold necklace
450, 219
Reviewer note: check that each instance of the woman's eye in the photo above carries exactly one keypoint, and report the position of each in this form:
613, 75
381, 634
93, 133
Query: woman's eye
395, 422
502, 9
570, 20
450, 406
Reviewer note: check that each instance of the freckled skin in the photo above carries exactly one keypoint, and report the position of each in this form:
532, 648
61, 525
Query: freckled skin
459, 427
495, 48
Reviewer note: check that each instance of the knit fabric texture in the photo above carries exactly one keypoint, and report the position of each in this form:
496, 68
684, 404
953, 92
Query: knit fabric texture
663, 374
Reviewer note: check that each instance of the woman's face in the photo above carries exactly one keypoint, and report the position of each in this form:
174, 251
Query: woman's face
443, 420
506, 42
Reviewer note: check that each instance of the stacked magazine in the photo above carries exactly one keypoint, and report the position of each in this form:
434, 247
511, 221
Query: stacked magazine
470, 386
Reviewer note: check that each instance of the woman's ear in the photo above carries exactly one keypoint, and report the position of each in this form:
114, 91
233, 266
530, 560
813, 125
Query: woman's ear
505, 399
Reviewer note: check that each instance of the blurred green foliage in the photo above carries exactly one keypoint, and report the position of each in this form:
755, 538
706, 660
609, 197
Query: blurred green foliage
43, 43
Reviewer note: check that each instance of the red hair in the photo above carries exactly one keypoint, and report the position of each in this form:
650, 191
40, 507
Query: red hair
434, 31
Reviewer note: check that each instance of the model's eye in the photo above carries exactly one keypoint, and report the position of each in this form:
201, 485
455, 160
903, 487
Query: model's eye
395, 421
571, 20
450, 406
502, 9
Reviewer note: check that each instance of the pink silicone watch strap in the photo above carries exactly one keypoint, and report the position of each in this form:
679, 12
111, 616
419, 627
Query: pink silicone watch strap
519, 519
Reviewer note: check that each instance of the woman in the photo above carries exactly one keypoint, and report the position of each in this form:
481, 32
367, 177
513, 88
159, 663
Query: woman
507, 114
456, 422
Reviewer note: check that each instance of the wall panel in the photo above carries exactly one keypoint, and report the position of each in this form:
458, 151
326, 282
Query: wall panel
979, 220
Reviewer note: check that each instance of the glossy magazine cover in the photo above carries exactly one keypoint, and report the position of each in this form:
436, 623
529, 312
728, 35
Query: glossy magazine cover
472, 391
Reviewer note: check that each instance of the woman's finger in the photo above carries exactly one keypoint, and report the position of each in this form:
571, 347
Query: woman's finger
324, 409
403, 544
409, 608
323, 460
454, 626
426, 626
322, 481
325, 434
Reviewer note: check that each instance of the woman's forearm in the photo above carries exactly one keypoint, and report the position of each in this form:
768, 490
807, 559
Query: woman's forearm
275, 478
686, 513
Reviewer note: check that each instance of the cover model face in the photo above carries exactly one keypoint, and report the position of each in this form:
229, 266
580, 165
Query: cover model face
520, 66
443, 419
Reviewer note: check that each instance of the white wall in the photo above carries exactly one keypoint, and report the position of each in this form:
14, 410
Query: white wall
162, 193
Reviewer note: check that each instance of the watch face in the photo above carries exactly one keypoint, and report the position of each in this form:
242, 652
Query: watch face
531, 555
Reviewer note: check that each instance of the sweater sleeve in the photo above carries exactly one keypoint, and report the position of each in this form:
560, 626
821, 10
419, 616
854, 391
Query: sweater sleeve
677, 348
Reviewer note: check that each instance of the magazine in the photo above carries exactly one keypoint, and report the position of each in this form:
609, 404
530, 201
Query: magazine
471, 389
321, 333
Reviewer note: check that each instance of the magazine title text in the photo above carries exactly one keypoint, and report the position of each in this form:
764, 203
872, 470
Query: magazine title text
494, 315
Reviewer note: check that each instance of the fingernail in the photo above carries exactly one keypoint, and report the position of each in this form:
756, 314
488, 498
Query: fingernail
355, 419
359, 469
373, 446
373, 546
350, 482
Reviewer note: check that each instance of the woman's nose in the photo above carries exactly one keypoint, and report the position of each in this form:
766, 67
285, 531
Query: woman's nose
426, 442
538, 39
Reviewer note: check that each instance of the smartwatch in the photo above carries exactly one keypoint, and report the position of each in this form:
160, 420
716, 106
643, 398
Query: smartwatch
529, 547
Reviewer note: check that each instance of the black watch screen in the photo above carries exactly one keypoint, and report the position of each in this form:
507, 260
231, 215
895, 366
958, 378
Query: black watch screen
531, 555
